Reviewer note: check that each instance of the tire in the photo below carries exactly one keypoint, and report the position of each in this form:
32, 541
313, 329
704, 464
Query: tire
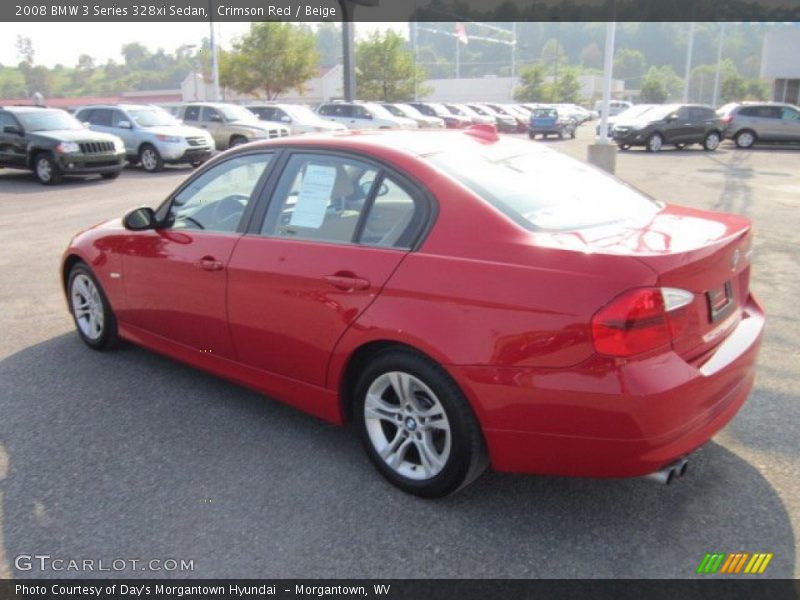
745, 138
531, 135
654, 143
572, 134
150, 159
46, 169
111, 175
237, 140
711, 141
94, 319
435, 454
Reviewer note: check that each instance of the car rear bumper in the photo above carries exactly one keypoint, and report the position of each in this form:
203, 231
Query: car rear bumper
606, 420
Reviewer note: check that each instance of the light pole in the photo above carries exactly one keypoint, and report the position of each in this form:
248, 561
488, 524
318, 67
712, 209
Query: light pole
719, 64
688, 72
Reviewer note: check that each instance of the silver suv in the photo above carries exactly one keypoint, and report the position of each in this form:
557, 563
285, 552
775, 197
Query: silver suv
230, 124
363, 115
151, 135
749, 123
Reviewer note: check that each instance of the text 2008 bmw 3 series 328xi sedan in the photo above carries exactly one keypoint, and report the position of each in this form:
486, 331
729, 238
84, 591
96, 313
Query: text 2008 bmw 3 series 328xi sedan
464, 300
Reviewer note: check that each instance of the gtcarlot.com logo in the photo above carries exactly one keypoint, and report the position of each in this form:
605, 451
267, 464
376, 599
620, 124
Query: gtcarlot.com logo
46, 562
736, 563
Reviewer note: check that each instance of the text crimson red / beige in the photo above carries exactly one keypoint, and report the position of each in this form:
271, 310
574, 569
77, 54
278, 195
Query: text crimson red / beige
275, 10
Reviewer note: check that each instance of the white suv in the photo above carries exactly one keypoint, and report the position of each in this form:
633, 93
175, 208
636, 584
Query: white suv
363, 115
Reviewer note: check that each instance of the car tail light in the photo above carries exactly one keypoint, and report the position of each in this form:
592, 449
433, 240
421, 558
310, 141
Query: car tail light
640, 320
726, 119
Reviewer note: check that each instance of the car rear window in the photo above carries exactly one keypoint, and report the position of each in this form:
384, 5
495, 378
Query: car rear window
545, 113
541, 189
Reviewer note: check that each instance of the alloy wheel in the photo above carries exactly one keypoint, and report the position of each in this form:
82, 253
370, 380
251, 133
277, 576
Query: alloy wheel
44, 170
87, 307
407, 425
149, 159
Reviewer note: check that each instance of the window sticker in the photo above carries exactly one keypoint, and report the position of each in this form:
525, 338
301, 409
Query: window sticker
314, 196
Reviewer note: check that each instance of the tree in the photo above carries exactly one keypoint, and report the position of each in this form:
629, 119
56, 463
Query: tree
568, 89
25, 50
385, 69
270, 59
533, 87
329, 44
733, 87
591, 57
757, 90
629, 65
553, 52
653, 90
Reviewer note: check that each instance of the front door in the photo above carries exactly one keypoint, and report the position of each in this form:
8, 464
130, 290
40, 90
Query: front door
176, 276
336, 229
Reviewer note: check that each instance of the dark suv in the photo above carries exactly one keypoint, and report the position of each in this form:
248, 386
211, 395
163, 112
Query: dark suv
52, 143
675, 124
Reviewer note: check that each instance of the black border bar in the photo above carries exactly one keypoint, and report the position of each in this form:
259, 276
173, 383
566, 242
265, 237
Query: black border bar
143, 11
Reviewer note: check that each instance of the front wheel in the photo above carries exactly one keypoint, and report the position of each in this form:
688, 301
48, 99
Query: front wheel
94, 319
150, 158
654, 142
711, 141
416, 425
47, 170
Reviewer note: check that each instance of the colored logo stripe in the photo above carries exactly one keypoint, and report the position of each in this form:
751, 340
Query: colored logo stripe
734, 563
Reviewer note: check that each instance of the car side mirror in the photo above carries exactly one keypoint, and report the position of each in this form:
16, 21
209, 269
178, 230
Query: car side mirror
368, 116
87, 124
215, 118
286, 119
672, 117
12, 129
124, 125
140, 219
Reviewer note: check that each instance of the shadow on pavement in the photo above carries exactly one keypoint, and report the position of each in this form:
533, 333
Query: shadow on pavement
129, 455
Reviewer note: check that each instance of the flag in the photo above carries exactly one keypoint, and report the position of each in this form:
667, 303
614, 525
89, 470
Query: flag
461, 33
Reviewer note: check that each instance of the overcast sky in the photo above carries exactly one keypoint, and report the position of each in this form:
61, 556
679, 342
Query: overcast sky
64, 42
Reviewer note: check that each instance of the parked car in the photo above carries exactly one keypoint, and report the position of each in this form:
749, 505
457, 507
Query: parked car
229, 124
151, 135
52, 143
462, 110
547, 121
521, 119
299, 118
327, 291
505, 123
614, 107
434, 109
363, 115
676, 124
750, 123
400, 109
630, 115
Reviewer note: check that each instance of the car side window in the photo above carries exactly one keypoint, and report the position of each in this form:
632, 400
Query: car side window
210, 114
192, 113
101, 116
683, 113
216, 200
392, 217
319, 198
359, 112
790, 114
117, 116
6, 121
326, 110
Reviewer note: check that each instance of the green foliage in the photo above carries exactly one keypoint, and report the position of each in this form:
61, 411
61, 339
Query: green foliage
629, 65
592, 57
533, 85
567, 89
270, 59
757, 90
385, 69
654, 89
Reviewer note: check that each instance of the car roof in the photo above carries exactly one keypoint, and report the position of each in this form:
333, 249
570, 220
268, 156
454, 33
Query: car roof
23, 109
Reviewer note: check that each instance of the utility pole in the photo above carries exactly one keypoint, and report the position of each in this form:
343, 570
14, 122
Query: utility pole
413, 26
513, 58
719, 65
688, 72
214, 58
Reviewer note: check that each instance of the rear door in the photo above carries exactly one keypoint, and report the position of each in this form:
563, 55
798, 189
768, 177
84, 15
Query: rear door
127, 134
211, 119
12, 145
790, 124
680, 130
336, 228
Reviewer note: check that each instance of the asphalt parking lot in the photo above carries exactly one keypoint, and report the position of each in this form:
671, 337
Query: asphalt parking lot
129, 455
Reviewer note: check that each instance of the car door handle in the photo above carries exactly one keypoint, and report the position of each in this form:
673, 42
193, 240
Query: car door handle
347, 282
209, 263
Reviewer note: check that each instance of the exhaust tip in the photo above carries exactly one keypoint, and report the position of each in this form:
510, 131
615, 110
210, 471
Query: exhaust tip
682, 467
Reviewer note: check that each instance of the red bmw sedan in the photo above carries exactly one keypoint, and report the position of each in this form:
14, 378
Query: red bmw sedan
461, 299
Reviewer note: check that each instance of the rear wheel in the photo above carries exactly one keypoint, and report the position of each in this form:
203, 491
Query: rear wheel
416, 425
711, 141
94, 319
150, 158
654, 142
745, 138
46, 169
